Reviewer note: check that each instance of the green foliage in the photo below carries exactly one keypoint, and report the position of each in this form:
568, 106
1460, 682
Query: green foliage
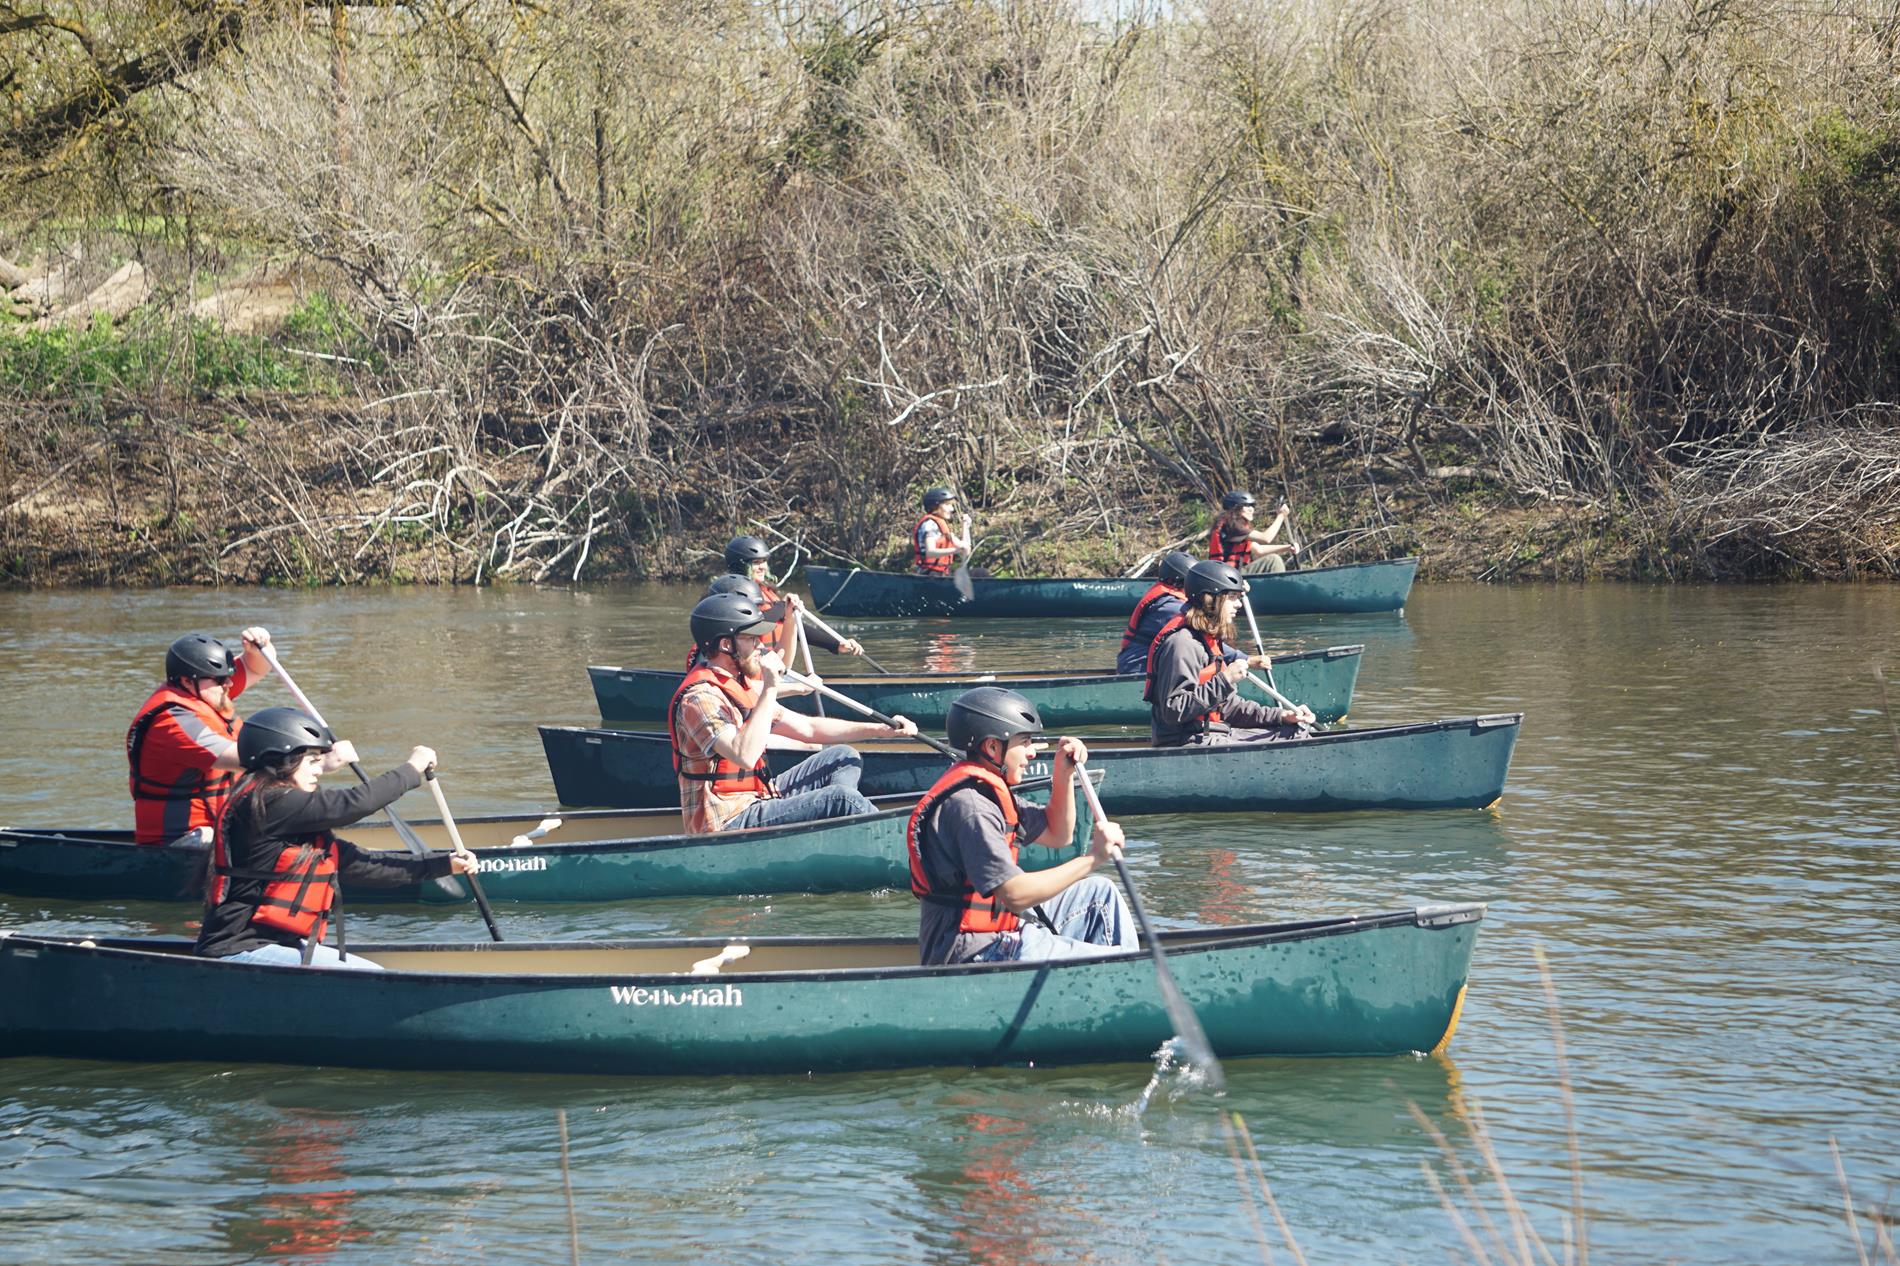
146, 353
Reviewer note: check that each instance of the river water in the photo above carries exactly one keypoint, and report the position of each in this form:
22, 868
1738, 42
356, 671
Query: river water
1702, 818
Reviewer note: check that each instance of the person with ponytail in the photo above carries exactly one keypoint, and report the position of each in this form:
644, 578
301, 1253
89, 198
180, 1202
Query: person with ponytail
275, 865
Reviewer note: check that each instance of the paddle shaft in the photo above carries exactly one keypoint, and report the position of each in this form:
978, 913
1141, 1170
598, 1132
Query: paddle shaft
1246, 600
1187, 1025
961, 577
403, 832
455, 835
407, 835
822, 627
873, 713
804, 645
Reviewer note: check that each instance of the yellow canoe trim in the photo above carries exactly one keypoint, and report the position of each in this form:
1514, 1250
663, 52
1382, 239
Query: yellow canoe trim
1457, 1009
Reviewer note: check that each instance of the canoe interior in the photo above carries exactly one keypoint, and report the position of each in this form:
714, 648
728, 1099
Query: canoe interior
767, 957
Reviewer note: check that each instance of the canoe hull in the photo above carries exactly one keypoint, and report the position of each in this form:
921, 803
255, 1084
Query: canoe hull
1383, 985
1323, 680
1451, 764
1355, 587
860, 854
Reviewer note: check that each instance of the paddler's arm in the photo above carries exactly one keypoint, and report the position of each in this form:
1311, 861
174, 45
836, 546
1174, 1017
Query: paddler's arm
325, 809
745, 745
382, 868
256, 641
1033, 887
823, 639
839, 730
1060, 828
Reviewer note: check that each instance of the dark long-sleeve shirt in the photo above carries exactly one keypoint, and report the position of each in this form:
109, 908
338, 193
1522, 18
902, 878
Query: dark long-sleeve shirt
780, 612
288, 818
1180, 703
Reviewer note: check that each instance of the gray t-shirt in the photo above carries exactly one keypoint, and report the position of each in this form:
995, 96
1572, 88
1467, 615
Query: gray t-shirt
964, 836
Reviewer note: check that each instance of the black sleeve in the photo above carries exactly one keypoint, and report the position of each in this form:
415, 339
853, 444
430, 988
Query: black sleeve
820, 638
781, 611
379, 868
308, 812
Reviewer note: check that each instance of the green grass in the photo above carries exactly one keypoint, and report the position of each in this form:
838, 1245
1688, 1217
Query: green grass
148, 352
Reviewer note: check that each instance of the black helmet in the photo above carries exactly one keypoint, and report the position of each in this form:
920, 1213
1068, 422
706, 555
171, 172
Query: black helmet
743, 551
275, 733
1235, 499
725, 615
198, 655
1175, 567
990, 712
937, 496
744, 586
1213, 577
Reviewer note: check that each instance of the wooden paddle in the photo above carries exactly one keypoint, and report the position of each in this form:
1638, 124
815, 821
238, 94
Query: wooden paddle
822, 627
873, 713
1187, 1026
804, 645
961, 576
448, 820
408, 836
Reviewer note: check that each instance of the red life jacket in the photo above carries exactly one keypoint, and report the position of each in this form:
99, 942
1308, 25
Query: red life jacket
169, 795
299, 889
1154, 595
1217, 549
940, 565
727, 777
779, 639
980, 913
1216, 660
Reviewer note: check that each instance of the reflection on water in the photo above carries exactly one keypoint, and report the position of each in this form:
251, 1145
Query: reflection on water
304, 1208
1700, 829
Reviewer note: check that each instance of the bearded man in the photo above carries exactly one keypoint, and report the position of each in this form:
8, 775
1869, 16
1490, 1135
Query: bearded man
723, 716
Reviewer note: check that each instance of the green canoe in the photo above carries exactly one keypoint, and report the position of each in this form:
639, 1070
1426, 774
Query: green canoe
607, 856
1380, 586
1383, 984
1322, 680
1451, 764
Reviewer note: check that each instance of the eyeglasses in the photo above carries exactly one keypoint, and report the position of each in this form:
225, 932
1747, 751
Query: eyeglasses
222, 681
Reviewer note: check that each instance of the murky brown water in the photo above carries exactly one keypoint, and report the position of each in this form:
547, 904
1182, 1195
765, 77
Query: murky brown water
1701, 829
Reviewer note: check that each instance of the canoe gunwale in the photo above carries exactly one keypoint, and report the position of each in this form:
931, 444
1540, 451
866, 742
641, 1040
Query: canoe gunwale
1180, 943
1109, 746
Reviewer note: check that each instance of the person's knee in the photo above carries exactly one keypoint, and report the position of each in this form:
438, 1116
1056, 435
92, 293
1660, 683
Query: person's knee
844, 804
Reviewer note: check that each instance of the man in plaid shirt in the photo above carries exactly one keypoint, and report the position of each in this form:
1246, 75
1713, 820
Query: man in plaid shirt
725, 712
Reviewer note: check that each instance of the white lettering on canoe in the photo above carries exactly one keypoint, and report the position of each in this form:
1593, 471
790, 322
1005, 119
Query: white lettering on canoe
488, 864
1037, 769
637, 996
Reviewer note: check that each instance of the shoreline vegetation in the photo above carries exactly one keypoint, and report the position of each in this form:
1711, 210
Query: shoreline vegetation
468, 293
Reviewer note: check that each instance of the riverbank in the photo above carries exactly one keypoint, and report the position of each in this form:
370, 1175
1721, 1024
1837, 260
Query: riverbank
275, 488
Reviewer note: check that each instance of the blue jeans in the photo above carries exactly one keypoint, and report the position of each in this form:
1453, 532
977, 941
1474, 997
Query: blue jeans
1091, 920
284, 956
823, 785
